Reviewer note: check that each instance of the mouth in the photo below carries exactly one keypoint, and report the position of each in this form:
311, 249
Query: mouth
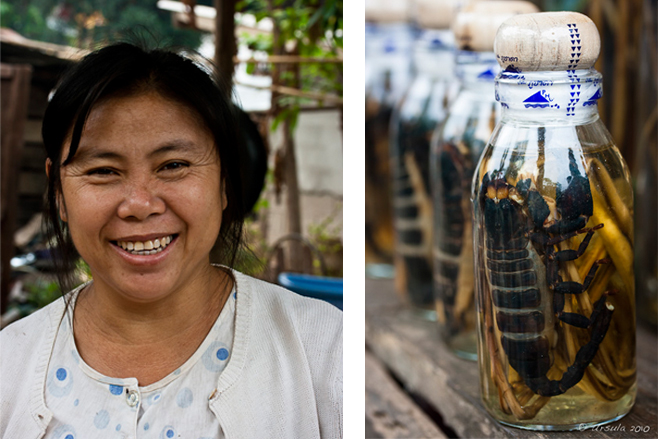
146, 248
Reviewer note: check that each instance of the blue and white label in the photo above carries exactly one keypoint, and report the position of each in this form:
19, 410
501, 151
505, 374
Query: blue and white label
592, 100
541, 99
488, 75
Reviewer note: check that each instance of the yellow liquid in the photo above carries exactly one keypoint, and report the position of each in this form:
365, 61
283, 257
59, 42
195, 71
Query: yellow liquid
608, 388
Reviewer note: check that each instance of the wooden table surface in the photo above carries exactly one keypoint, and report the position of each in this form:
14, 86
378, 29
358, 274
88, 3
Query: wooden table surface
416, 388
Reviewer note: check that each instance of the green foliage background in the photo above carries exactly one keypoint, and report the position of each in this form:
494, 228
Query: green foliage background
125, 20
315, 26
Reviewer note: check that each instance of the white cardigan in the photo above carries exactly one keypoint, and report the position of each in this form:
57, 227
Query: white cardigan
284, 378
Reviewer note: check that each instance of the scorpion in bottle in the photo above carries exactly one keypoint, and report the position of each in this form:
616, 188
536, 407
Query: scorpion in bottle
522, 272
454, 170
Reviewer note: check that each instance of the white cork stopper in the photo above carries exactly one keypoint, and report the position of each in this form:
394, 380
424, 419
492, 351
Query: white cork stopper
435, 14
476, 24
547, 41
387, 11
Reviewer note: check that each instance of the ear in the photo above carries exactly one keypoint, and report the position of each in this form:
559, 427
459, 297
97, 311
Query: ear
60, 201
223, 195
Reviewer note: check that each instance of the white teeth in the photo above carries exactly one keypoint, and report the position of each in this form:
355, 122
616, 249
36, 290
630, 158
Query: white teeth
146, 247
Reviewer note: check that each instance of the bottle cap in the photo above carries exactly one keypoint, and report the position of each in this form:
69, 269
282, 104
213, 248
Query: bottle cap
387, 11
435, 14
547, 41
476, 24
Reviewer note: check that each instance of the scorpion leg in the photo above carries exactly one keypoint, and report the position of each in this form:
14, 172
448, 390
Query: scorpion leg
576, 287
562, 288
545, 240
570, 255
599, 322
566, 225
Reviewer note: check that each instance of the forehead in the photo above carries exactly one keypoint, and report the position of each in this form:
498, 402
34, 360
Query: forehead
141, 122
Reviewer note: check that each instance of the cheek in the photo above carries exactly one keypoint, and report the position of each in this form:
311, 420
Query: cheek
200, 205
84, 206
87, 219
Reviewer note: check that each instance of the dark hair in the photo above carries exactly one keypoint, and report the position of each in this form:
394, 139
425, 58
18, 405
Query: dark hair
124, 69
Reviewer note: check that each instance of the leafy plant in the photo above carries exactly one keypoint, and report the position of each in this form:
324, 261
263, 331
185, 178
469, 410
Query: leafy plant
89, 23
307, 28
327, 240
42, 292
251, 258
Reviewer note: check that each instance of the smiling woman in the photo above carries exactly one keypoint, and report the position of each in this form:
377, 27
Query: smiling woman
143, 182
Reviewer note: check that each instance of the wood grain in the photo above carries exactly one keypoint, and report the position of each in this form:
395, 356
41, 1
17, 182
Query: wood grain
390, 411
411, 348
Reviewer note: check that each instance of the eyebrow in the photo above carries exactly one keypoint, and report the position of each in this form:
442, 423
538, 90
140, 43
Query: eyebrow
173, 146
88, 154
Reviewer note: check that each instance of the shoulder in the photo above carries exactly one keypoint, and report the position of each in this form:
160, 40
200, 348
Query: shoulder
23, 343
273, 302
25, 347
284, 321
304, 336
21, 335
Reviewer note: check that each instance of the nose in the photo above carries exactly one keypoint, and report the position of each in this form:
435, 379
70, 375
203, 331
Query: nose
140, 201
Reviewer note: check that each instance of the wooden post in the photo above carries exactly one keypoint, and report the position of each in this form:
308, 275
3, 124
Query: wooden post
225, 46
292, 183
15, 97
290, 162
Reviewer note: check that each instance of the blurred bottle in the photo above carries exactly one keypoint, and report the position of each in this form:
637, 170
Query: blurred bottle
422, 109
388, 60
646, 174
454, 154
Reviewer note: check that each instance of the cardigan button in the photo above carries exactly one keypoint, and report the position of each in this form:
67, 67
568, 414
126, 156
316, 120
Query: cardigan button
132, 398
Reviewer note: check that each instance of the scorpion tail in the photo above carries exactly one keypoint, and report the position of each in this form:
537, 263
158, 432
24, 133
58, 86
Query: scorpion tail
599, 323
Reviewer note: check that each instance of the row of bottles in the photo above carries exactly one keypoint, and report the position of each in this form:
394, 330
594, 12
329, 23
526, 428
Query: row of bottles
512, 208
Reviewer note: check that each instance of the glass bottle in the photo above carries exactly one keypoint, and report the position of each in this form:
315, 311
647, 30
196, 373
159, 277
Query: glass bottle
422, 109
387, 76
553, 228
454, 154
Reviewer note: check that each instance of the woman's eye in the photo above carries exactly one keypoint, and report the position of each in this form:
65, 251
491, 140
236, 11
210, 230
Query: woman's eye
172, 166
101, 171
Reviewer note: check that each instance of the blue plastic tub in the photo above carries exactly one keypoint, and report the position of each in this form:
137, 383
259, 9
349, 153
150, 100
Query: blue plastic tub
329, 289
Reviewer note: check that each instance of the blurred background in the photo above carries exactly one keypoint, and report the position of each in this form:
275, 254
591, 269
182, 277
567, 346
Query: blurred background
284, 58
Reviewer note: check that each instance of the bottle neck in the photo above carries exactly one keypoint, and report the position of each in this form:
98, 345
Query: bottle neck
476, 70
549, 98
388, 39
388, 51
434, 54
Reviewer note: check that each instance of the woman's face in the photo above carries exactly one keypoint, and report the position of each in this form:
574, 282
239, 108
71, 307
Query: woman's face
142, 196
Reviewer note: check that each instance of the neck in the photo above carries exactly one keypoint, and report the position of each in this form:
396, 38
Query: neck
126, 322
